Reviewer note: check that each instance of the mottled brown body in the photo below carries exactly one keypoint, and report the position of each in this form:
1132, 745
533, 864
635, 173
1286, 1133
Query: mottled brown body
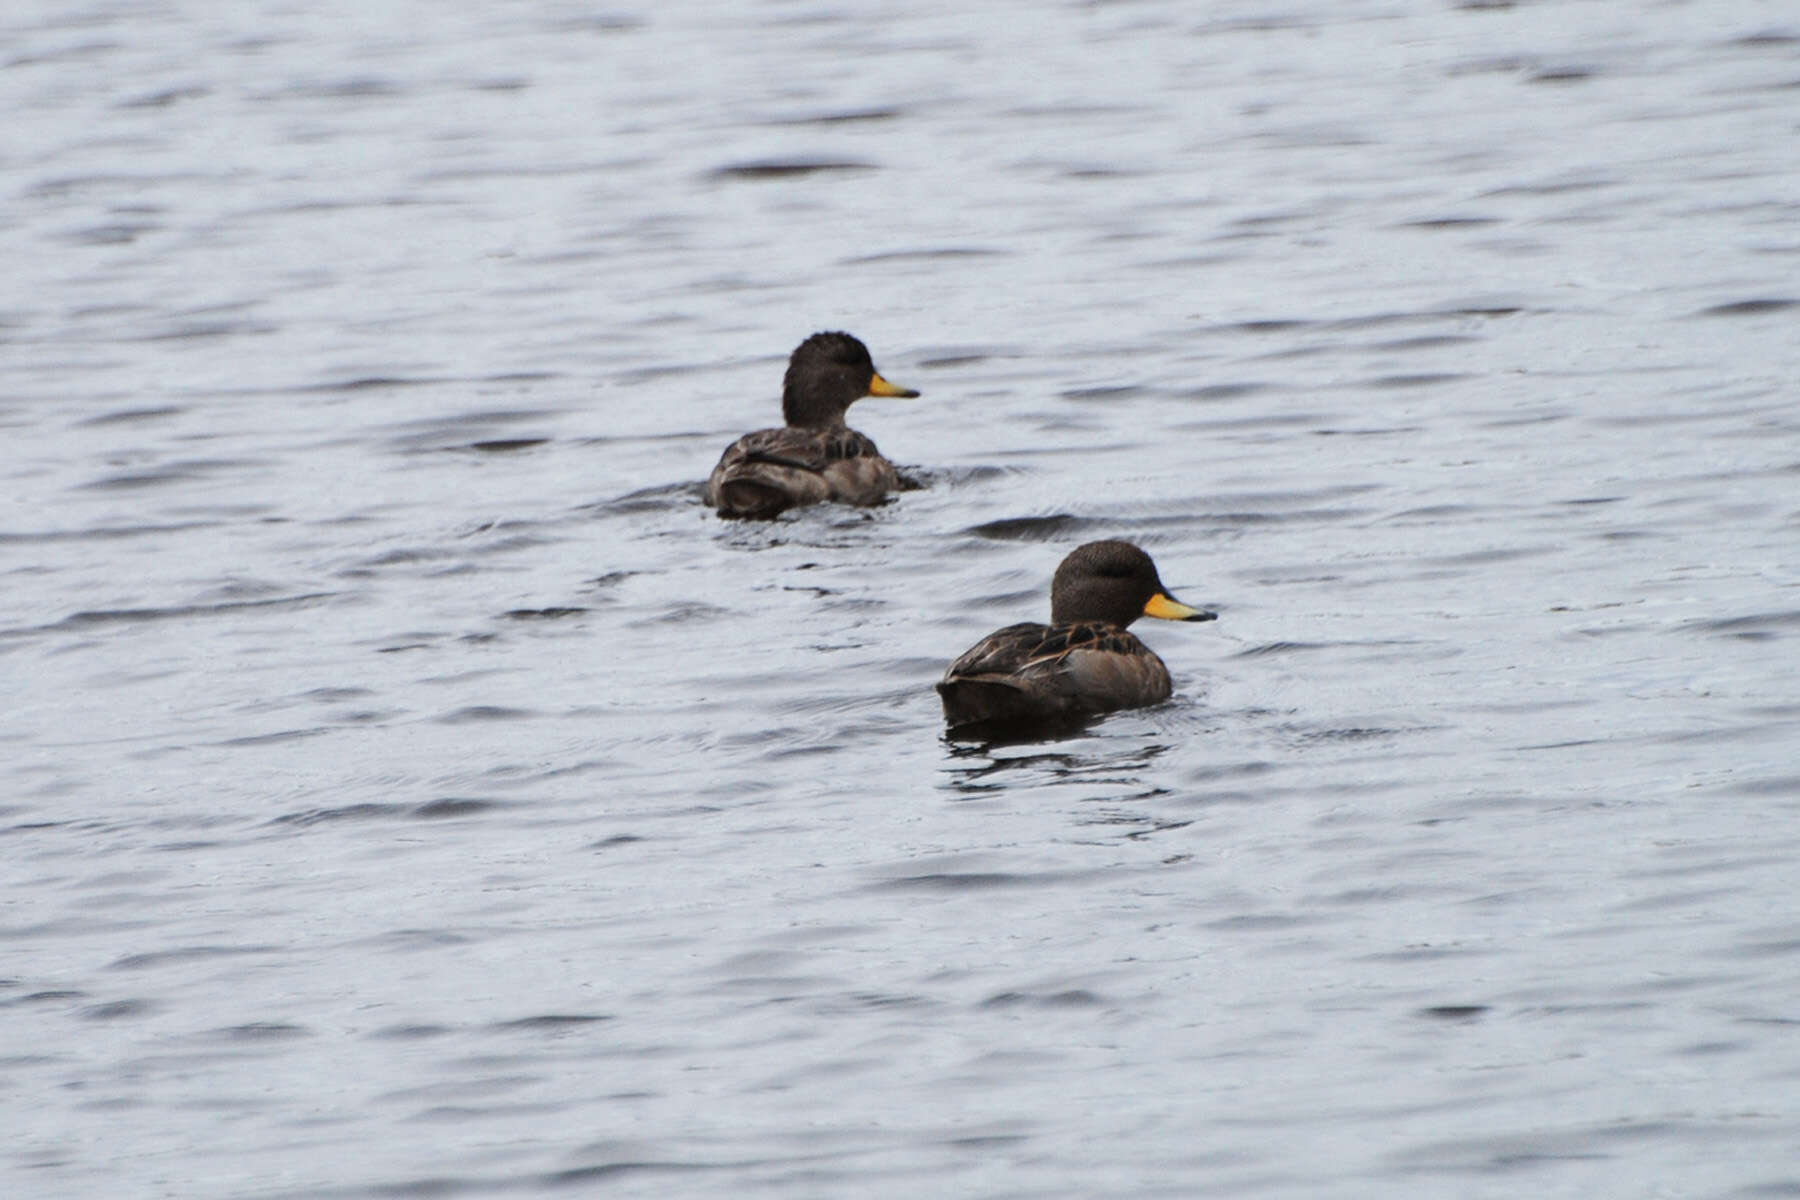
1082, 664
772, 470
815, 457
1051, 674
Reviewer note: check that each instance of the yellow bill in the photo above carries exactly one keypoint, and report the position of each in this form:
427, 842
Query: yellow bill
1168, 608
881, 387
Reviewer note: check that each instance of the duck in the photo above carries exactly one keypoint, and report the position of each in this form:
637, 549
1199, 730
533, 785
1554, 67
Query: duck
814, 457
1085, 662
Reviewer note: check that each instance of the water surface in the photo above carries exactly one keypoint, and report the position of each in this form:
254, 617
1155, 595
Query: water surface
410, 788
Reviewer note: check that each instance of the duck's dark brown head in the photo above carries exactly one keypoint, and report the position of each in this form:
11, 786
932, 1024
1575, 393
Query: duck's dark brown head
1114, 582
826, 374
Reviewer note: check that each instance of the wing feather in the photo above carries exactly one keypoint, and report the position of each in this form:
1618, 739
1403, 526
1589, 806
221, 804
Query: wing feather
769, 470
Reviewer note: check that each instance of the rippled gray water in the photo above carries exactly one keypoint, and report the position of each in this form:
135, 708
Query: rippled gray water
411, 789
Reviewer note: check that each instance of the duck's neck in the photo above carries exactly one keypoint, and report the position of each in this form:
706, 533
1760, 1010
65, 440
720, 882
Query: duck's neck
799, 413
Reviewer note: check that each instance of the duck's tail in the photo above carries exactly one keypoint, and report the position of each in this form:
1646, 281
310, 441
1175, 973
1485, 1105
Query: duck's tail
985, 700
750, 498
762, 484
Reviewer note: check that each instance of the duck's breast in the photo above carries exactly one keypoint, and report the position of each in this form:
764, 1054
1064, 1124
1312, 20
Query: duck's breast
861, 480
1102, 680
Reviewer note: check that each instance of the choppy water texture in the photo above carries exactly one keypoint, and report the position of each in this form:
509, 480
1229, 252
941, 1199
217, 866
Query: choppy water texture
411, 789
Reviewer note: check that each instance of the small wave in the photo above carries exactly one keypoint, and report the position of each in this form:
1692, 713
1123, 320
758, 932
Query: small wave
1032, 529
787, 168
550, 1022
846, 116
118, 616
1072, 998
1751, 627
372, 811
484, 712
966, 881
1268, 649
1748, 308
